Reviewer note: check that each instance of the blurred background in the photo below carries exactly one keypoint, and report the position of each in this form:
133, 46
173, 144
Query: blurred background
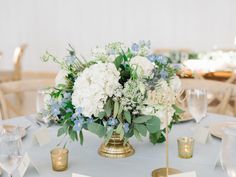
197, 25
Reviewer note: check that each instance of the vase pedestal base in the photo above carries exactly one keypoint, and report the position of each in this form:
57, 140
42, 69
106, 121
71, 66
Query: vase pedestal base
161, 172
116, 148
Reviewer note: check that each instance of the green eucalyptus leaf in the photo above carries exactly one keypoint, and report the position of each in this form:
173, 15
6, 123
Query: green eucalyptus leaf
141, 128
127, 116
73, 135
153, 125
109, 135
101, 115
62, 130
97, 129
137, 135
142, 119
178, 110
108, 108
81, 137
118, 61
116, 109
119, 128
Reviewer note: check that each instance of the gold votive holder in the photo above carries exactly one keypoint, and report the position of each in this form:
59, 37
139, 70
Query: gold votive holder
59, 157
185, 147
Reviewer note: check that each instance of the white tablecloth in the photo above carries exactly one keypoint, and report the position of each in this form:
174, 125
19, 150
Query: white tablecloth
85, 159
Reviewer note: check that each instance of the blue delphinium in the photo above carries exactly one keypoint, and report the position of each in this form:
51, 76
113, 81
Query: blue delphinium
78, 124
55, 108
152, 58
112, 121
135, 47
163, 74
126, 127
158, 58
161, 59
77, 114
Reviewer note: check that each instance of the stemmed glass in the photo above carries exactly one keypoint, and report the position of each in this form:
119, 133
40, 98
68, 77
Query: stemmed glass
228, 151
197, 103
10, 149
40, 100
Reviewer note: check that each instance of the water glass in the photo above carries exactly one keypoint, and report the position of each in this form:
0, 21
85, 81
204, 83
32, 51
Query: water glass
40, 101
228, 151
10, 149
197, 103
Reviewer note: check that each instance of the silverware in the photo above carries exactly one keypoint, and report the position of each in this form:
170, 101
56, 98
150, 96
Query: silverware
33, 121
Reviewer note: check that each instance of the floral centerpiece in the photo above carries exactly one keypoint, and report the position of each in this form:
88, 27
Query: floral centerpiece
117, 92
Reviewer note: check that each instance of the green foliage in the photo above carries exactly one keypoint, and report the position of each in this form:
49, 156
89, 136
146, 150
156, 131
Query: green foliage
108, 135
153, 125
157, 137
127, 116
97, 129
116, 109
141, 128
102, 114
108, 108
142, 119
118, 61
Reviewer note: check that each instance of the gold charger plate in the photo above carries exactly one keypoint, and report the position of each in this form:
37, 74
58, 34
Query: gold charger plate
185, 117
217, 129
21, 129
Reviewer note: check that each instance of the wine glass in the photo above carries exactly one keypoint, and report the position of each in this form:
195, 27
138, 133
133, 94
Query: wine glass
40, 100
10, 149
228, 151
197, 103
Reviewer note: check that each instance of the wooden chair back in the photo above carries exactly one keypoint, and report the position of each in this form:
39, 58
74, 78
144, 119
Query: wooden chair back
219, 94
18, 55
16, 87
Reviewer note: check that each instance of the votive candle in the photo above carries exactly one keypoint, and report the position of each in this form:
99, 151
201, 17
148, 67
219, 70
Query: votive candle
59, 157
185, 147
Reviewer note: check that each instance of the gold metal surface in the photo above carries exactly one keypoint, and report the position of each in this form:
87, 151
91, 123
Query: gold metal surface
164, 172
59, 157
185, 147
161, 172
116, 148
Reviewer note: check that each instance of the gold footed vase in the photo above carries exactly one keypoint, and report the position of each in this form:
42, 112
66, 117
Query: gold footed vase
116, 148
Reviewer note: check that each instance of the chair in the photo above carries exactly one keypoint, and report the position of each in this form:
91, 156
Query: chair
219, 94
17, 87
16, 73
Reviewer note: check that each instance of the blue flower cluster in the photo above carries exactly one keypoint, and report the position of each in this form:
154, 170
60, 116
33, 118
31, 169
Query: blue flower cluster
79, 120
158, 58
126, 127
112, 121
142, 44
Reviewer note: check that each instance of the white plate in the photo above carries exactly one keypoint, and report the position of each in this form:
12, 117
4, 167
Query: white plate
217, 129
22, 129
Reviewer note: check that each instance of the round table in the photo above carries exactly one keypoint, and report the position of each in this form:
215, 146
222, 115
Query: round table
85, 159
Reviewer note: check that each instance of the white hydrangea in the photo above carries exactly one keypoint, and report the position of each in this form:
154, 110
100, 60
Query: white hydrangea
162, 95
61, 77
143, 65
162, 112
94, 86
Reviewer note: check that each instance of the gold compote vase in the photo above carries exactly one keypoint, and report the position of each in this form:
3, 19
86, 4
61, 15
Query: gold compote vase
116, 148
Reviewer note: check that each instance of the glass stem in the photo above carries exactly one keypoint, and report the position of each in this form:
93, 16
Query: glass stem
10, 175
